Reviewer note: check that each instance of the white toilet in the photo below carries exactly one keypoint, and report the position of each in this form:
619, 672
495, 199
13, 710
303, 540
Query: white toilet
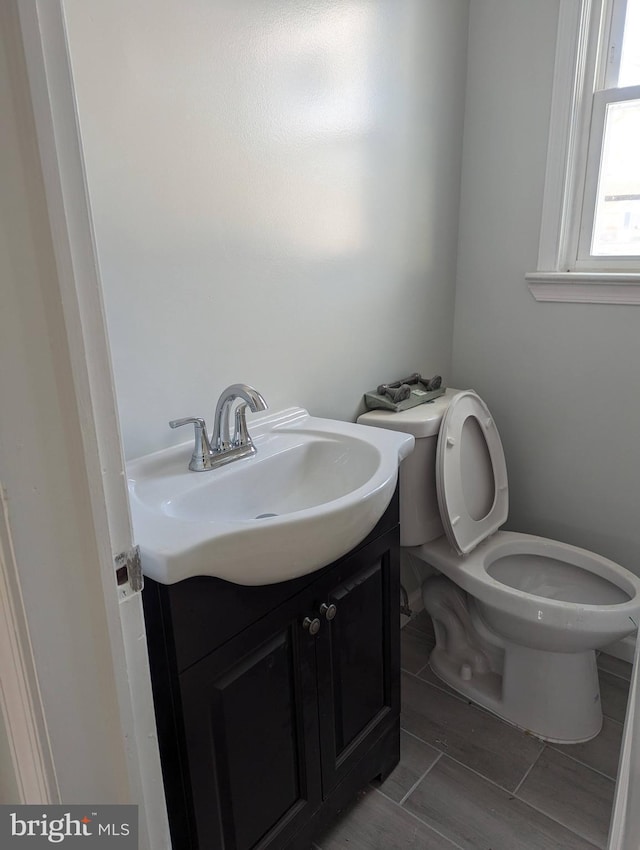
517, 617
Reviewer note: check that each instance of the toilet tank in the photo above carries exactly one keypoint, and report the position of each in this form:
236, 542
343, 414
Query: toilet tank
419, 514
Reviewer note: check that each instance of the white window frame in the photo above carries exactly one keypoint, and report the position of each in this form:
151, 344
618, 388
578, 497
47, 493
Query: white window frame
585, 260
560, 275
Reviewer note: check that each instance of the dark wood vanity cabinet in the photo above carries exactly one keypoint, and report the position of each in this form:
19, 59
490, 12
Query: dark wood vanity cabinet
276, 704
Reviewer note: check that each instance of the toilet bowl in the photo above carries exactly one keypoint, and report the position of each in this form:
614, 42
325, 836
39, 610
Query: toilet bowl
517, 617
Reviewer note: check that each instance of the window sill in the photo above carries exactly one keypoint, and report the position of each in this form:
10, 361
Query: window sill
585, 287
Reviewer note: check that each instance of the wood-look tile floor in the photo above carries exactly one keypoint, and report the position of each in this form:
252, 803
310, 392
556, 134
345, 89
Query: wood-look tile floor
468, 781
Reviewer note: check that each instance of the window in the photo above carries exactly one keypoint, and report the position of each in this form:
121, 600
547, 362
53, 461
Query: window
609, 232
590, 233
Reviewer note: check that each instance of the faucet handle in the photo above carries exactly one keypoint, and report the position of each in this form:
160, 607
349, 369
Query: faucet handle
201, 457
188, 420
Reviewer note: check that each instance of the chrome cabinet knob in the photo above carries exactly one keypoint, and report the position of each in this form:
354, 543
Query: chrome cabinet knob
312, 626
329, 611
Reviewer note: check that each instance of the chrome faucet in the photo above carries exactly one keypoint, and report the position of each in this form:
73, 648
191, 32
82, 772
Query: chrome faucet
222, 448
220, 440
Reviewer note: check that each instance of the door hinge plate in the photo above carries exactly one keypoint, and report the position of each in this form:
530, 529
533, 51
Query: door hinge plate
129, 572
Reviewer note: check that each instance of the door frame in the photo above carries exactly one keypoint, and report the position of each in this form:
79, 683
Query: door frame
79, 296
31, 774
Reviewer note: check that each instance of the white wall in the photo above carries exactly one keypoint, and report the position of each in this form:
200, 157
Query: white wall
275, 191
562, 379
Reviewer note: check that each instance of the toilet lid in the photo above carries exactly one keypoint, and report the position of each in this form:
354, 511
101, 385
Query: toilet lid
471, 473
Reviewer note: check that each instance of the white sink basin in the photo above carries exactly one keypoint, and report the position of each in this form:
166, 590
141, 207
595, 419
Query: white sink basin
313, 491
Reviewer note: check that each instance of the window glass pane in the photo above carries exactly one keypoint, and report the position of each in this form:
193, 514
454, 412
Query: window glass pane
629, 74
616, 230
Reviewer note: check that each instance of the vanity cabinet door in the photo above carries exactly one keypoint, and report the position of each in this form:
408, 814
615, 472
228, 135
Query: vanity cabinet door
358, 654
250, 718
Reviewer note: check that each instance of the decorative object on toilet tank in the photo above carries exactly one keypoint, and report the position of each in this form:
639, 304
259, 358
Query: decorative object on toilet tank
517, 617
404, 393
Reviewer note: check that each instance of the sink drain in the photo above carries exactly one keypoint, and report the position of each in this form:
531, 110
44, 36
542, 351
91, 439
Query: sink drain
264, 516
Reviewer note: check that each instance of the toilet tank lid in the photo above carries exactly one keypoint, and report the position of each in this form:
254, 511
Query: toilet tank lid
421, 421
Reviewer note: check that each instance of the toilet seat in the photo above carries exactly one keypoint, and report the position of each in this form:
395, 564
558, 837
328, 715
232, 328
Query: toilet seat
539, 620
497, 567
471, 473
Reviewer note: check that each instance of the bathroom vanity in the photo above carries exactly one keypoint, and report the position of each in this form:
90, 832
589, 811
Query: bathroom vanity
275, 704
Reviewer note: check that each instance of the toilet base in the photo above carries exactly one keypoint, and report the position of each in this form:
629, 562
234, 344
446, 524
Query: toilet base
552, 695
